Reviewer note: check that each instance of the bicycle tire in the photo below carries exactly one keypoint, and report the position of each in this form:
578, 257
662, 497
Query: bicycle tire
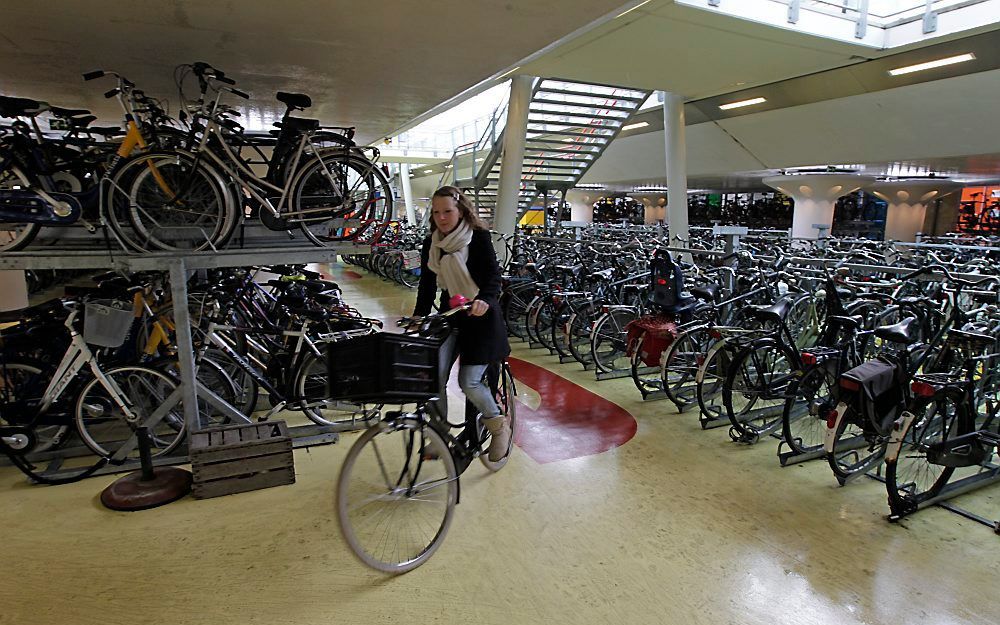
853, 451
911, 479
679, 371
29, 383
156, 219
709, 381
104, 430
751, 377
580, 326
802, 432
368, 198
310, 386
418, 443
21, 233
608, 340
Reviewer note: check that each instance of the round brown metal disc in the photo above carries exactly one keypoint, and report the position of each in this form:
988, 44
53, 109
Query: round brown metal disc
131, 492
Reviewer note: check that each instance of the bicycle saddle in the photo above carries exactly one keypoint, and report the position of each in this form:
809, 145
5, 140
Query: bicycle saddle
106, 130
902, 332
310, 313
706, 292
842, 321
82, 122
23, 314
59, 111
775, 312
294, 100
21, 107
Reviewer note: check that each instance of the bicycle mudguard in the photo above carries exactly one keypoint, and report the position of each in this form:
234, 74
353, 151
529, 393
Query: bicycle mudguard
899, 426
831, 429
22, 205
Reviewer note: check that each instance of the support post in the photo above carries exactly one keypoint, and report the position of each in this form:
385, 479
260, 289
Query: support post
514, 134
404, 178
676, 151
185, 346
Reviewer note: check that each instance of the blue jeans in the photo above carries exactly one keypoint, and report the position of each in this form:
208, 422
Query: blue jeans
477, 389
471, 380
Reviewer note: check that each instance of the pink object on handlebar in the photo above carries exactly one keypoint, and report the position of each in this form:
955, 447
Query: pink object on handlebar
457, 301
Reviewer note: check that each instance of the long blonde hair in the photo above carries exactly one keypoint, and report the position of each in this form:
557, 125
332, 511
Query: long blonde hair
465, 207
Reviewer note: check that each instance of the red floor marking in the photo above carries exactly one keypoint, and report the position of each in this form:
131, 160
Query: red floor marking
570, 421
352, 275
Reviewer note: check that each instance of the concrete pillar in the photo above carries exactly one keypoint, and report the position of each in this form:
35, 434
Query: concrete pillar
676, 150
514, 134
404, 179
815, 196
908, 201
13, 290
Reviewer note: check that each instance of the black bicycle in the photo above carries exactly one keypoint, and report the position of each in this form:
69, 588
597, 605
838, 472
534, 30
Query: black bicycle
398, 488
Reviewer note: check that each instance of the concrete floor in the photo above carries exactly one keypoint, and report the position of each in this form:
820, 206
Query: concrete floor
678, 525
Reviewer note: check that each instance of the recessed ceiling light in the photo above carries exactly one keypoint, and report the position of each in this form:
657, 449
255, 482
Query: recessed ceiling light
479, 160
428, 171
508, 73
635, 125
919, 67
627, 11
741, 103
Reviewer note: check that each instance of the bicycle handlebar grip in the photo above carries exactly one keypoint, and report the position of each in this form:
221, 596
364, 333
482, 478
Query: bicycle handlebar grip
112, 93
242, 94
224, 79
97, 73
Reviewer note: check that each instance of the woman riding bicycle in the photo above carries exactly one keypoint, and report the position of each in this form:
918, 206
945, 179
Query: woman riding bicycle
458, 258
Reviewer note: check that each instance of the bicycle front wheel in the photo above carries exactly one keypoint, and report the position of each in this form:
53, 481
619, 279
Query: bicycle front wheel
105, 427
755, 387
396, 494
340, 194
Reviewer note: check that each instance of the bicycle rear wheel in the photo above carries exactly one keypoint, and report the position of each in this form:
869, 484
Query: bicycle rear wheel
171, 201
804, 432
911, 478
505, 399
396, 494
854, 451
351, 193
680, 366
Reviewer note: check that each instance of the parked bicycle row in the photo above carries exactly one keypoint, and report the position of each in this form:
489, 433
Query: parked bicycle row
836, 354
395, 256
183, 184
95, 365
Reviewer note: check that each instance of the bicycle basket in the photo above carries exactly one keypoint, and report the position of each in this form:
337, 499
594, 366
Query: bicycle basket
107, 323
384, 367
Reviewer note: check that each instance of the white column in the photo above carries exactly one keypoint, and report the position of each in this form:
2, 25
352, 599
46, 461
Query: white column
13, 290
815, 196
404, 179
908, 200
676, 146
514, 134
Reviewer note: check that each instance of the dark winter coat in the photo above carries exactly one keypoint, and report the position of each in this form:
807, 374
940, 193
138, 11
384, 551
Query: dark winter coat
481, 340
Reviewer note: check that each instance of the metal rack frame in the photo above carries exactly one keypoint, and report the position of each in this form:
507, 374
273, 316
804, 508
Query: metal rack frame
178, 266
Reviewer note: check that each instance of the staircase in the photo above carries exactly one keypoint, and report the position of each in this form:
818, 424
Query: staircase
570, 124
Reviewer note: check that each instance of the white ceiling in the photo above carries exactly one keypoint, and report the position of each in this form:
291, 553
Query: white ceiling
374, 64
947, 126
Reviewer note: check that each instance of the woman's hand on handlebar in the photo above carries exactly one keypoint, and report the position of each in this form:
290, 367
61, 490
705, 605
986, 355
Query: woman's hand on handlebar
478, 308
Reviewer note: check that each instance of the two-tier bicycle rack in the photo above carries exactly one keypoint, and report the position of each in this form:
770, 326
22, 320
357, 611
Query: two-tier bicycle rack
269, 248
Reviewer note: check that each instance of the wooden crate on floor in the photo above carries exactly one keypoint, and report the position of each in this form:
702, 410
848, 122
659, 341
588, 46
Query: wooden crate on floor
240, 458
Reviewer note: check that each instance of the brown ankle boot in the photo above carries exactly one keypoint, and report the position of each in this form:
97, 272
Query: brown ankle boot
499, 428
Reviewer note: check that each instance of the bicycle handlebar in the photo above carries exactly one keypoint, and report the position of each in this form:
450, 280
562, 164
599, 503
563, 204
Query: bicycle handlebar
950, 276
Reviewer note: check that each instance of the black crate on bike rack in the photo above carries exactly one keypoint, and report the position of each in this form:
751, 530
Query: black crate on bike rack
384, 367
240, 458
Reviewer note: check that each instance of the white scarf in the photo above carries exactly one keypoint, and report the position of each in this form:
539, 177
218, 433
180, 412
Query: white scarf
453, 274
